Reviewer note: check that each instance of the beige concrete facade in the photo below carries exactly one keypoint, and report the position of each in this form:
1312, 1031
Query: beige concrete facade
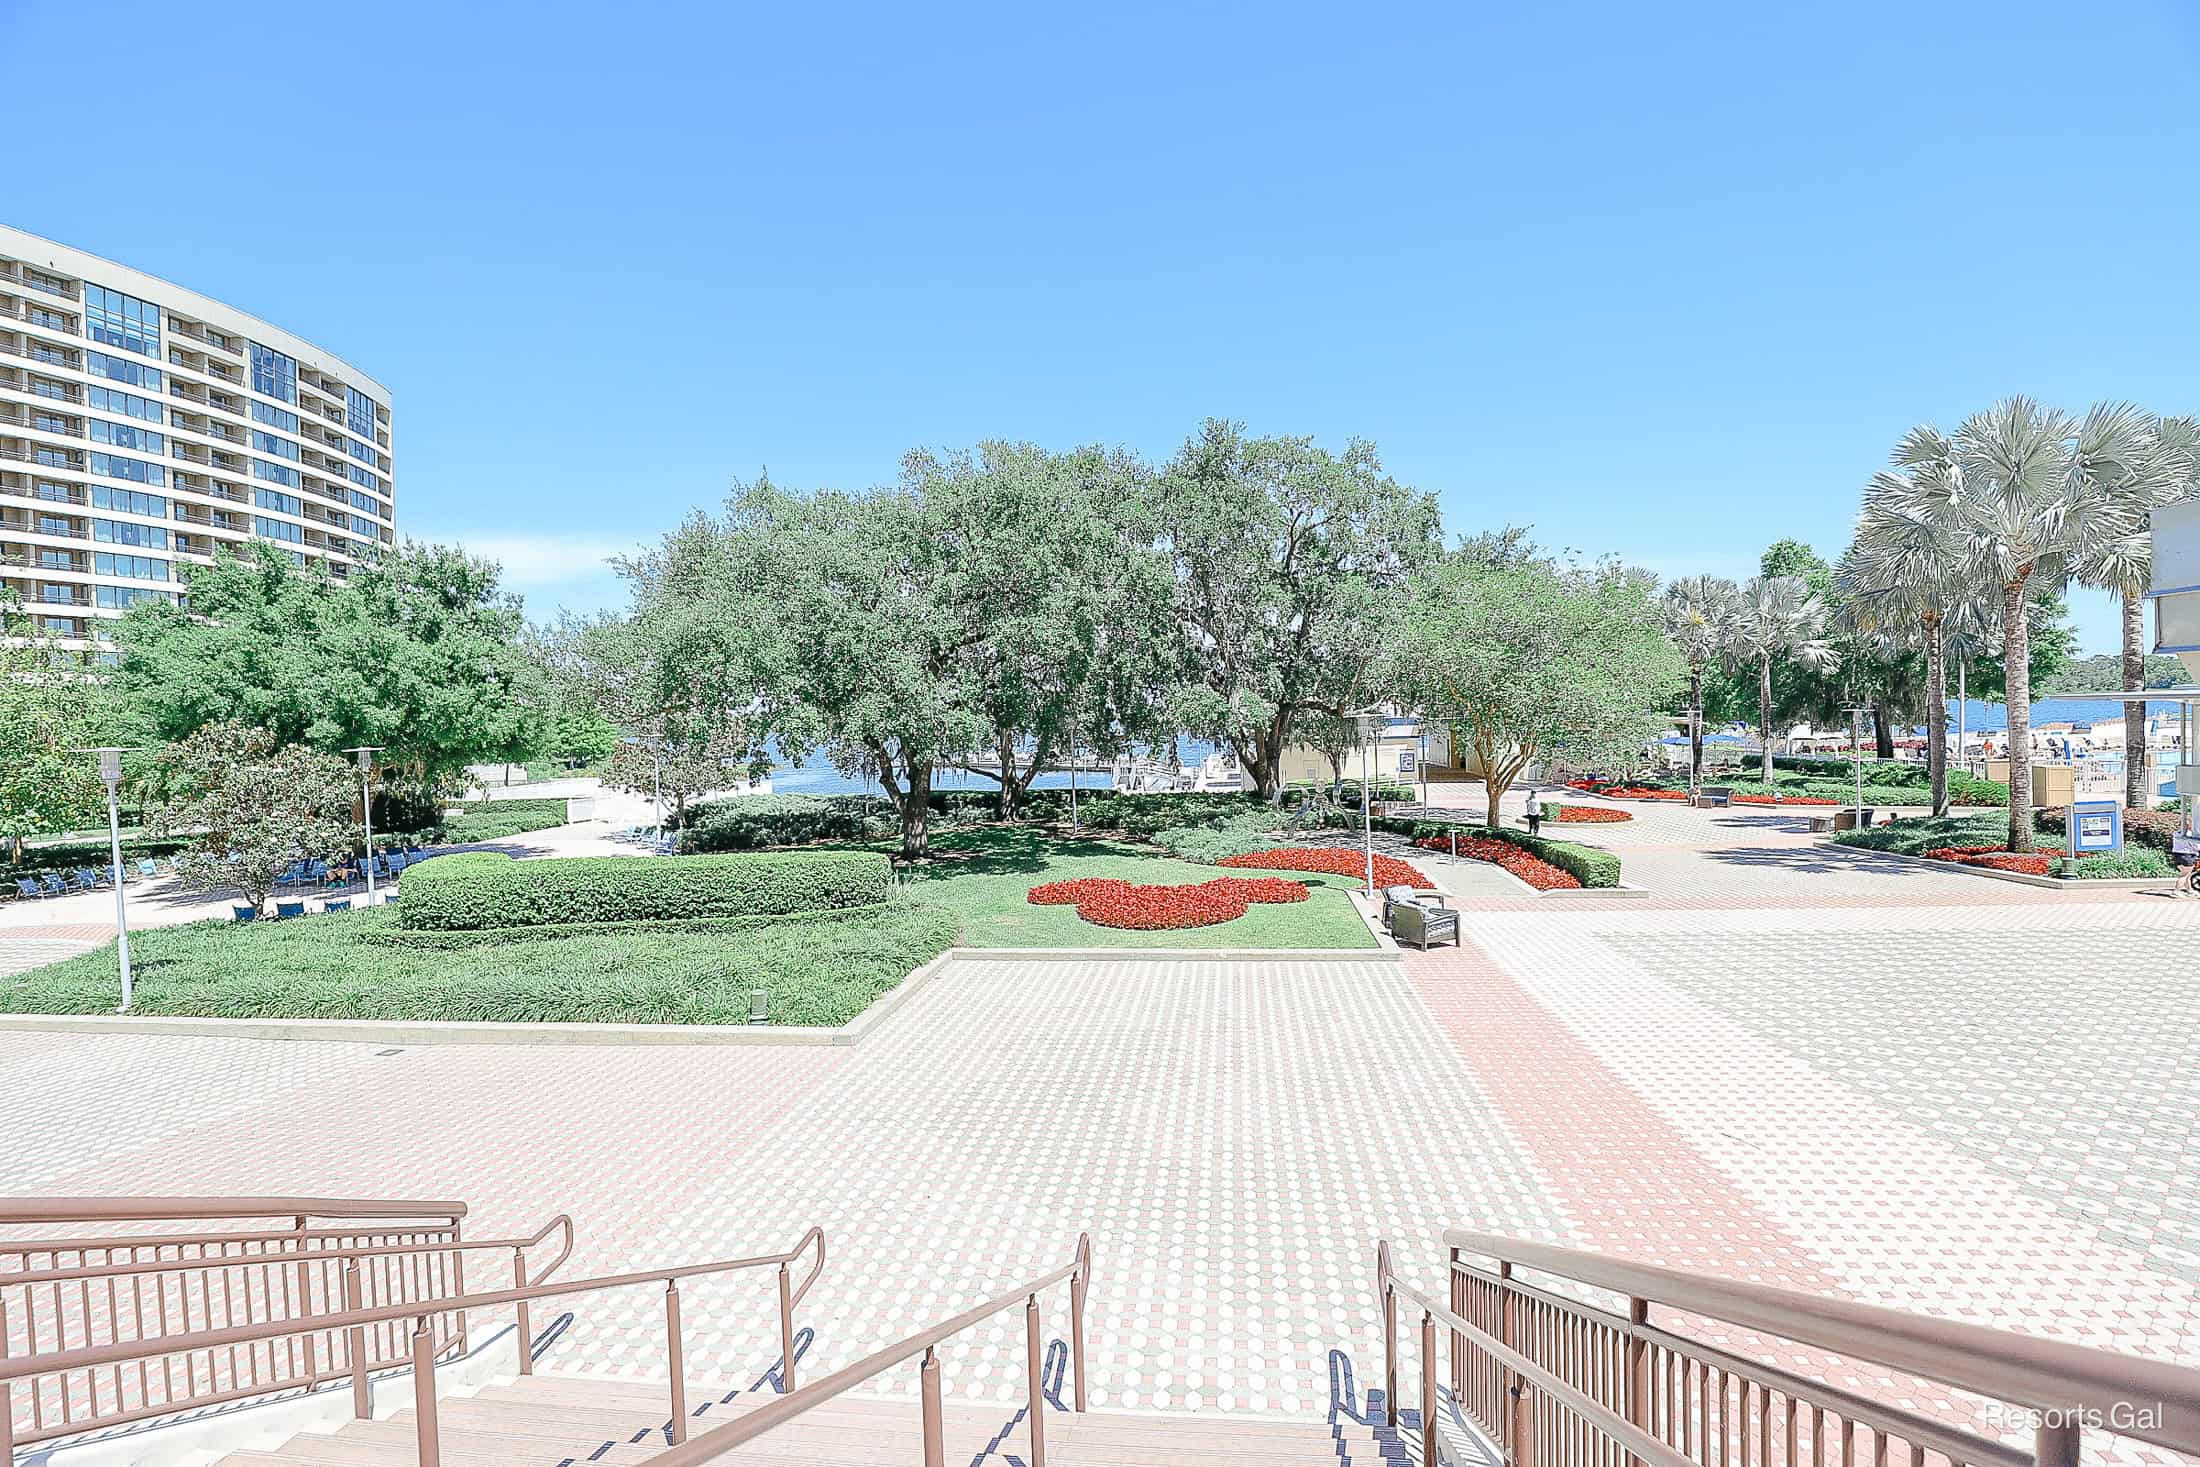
145, 428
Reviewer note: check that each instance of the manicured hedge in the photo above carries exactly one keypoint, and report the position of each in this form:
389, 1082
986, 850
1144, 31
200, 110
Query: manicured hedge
753, 822
480, 820
486, 889
1586, 864
449, 940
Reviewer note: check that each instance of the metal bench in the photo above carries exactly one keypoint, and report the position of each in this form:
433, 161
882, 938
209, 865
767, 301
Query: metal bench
1713, 797
1820, 824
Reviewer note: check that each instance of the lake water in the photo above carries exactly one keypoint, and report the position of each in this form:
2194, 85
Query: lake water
1993, 717
815, 776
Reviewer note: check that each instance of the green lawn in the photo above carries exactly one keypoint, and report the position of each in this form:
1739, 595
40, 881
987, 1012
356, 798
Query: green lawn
320, 967
819, 971
981, 876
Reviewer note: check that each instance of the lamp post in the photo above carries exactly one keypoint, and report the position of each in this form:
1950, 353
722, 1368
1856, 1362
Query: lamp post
1367, 721
366, 753
1856, 712
110, 775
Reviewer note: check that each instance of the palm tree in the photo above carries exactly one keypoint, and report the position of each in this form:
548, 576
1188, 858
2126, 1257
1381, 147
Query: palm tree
1909, 568
1777, 616
2160, 471
2026, 494
1700, 615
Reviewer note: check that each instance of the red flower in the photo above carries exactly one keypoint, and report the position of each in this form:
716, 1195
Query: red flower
1996, 858
1337, 861
1782, 800
1590, 815
1110, 903
1534, 870
1636, 792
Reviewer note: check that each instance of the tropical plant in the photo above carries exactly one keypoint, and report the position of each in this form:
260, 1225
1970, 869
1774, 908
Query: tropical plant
2026, 495
1700, 614
1777, 616
1908, 569
48, 710
2158, 469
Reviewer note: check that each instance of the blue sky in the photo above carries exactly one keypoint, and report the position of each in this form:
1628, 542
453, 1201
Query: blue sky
1661, 280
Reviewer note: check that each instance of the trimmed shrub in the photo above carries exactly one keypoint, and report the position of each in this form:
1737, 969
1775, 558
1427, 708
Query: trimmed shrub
485, 889
450, 940
1586, 864
752, 822
2132, 862
482, 820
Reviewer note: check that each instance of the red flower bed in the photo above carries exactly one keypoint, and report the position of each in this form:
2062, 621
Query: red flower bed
1996, 858
1590, 815
1110, 903
1534, 870
1632, 792
1592, 785
1782, 800
1070, 893
1336, 861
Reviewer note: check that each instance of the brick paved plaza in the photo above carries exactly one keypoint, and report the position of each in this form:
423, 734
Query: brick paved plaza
1825, 1070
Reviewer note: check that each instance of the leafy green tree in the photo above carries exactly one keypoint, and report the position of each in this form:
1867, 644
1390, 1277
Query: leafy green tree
1288, 561
49, 705
1050, 561
419, 653
1525, 656
252, 807
2104, 673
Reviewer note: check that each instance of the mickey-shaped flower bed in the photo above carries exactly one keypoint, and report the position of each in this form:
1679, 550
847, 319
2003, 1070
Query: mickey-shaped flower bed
1111, 903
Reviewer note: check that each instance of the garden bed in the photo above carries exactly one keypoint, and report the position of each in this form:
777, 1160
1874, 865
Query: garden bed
1106, 902
1978, 844
819, 971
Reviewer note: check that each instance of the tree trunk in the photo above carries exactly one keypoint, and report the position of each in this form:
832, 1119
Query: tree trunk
1936, 711
2136, 794
1882, 730
1764, 711
1011, 790
2016, 653
1496, 785
1695, 725
916, 811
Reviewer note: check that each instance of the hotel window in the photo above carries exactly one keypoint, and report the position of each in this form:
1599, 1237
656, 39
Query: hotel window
129, 501
51, 320
359, 412
55, 458
274, 374
361, 476
53, 525
275, 417
123, 435
369, 503
364, 452
269, 443
56, 560
129, 404
136, 567
278, 529
287, 503
274, 473
122, 598
57, 593
59, 626
57, 493
122, 532
114, 466
122, 320
122, 369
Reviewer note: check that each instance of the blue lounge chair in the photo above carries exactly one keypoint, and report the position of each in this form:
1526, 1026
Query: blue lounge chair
54, 885
25, 886
243, 913
336, 904
294, 876
291, 909
89, 877
148, 868
381, 866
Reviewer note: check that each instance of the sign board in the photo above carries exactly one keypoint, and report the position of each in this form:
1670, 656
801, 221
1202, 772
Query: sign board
2096, 825
1408, 763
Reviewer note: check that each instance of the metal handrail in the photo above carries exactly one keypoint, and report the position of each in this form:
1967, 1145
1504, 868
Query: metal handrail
279, 1255
1389, 1287
2050, 1376
354, 1321
27, 1210
712, 1444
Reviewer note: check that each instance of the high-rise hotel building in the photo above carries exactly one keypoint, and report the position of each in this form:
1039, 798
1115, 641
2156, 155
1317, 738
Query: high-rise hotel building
145, 428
